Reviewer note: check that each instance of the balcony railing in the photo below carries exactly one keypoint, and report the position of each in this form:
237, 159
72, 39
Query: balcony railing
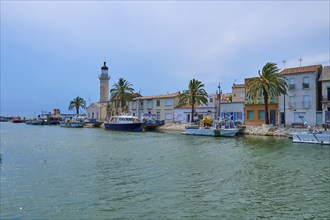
292, 104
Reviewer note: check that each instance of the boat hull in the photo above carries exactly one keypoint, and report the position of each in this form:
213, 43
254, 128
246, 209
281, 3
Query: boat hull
124, 127
212, 132
311, 138
71, 124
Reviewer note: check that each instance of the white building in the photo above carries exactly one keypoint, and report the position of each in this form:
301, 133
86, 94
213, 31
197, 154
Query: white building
182, 113
325, 83
160, 105
302, 102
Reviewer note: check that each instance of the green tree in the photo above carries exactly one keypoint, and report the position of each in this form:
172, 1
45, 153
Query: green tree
77, 103
269, 83
195, 94
123, 91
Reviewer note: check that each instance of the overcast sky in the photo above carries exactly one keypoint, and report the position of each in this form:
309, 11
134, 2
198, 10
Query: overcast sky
52, 51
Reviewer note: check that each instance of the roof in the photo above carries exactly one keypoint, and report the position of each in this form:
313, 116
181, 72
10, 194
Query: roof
325, 75
171, 95
303, 69
238, 86
98, 104
187, 106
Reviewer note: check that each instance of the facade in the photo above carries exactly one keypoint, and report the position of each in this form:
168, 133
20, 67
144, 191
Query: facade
115, 106
303, 100
238, 93
162, 106
254, 111
182, 113
325, 94
97, 111
234, 110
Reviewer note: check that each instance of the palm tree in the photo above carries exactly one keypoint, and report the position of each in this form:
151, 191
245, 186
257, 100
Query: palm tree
269, 83
77, 103
123, 91
195, 94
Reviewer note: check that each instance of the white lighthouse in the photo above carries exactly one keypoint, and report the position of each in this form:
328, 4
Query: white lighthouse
104, 84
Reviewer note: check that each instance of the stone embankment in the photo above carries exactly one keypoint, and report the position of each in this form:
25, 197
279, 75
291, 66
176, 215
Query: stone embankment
264, 130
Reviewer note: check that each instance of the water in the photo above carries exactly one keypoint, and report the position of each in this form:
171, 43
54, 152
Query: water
48, 172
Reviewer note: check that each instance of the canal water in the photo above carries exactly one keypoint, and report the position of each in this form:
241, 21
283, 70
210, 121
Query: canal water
49, 172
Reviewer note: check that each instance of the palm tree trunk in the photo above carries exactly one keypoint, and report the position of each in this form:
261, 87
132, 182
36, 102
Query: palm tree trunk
77, 110
266, 106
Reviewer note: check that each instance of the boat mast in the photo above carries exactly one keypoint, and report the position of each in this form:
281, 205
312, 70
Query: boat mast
219, 94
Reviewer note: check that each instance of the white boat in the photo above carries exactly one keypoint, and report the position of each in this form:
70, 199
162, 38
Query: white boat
312, 137
211, 131
75, 122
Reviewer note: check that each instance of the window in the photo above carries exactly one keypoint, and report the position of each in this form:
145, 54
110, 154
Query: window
168, 102
239, 115
261, 115
158, 115
291, 101
306, 101
292, 83
211, 100
158, 103
305, 83
168, 116
141, 105
149, 104
250, 114
134, 105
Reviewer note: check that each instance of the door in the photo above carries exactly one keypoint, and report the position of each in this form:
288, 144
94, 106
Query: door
272, 116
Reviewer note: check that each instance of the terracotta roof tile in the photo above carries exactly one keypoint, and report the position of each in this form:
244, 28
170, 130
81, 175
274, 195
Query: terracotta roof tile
303, 69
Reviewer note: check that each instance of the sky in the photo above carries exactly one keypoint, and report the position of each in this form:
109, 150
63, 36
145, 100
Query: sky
53, 51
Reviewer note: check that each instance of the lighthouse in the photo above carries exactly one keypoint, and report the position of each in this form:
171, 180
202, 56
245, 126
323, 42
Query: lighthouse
104, 84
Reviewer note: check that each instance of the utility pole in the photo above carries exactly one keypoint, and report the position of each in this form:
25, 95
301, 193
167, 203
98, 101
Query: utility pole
300, 61
219, 91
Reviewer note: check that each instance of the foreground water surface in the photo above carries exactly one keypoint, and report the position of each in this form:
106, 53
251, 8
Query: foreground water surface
48, 172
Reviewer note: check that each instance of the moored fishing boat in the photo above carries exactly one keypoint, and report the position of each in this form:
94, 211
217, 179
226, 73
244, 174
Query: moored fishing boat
151, 123
75, 122
124, 123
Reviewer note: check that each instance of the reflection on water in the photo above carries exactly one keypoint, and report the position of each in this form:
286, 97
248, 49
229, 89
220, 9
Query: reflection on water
57, 173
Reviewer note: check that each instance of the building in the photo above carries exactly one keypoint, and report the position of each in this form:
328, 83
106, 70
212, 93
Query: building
98, 110
234, 110
182, 113
254, 111
325, 94
115, 105
161, 105
303, 100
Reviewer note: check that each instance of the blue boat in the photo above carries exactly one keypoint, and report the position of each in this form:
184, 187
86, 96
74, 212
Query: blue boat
124, 123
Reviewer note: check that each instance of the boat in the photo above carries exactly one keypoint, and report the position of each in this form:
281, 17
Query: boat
217, 129
92, 123
75, 122
17, 120
36, 122
124, 123
151, 123
320, 137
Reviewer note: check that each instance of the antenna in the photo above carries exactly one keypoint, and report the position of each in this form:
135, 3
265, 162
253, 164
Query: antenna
284, 61
300, 61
